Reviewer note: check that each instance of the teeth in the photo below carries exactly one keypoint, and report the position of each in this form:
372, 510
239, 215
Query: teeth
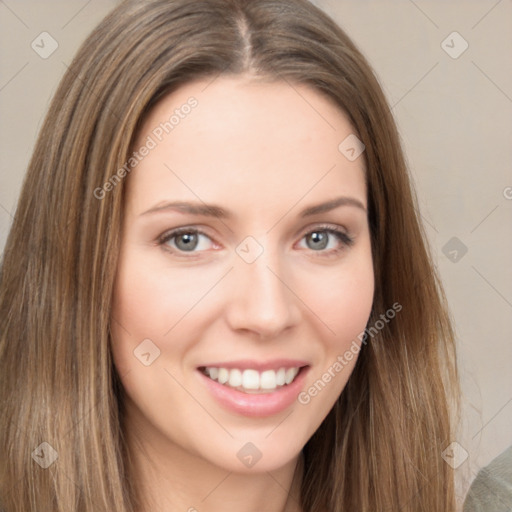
235, 378
223, 375
252, 380
268, 380
290, 375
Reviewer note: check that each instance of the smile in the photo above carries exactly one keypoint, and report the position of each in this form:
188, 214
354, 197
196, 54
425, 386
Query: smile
250, 380
252, 388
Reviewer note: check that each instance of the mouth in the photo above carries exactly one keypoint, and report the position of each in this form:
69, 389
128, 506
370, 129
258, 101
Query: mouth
254, 388
251, 380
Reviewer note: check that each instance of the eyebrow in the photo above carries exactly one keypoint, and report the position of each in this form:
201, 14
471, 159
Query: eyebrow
212, 210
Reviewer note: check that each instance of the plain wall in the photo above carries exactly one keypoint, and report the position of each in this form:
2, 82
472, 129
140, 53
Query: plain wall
455, 118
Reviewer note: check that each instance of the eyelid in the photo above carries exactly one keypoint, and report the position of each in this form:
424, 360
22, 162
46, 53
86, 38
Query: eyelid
326, 226
342, 233
170, 234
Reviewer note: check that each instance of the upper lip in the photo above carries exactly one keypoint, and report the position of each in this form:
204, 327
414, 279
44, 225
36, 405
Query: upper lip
246, 364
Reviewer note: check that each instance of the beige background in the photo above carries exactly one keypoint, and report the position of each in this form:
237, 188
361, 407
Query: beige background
455, 117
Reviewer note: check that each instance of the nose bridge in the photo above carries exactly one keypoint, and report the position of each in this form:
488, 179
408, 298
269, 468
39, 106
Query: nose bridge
261, 299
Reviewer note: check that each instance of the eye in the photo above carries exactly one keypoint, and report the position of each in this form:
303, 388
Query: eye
327, 239
185, 240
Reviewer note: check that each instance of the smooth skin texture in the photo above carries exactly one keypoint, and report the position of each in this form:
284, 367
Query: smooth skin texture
265, 152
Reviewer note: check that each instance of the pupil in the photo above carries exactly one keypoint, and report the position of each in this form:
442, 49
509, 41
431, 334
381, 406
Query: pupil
190, 240
319, 240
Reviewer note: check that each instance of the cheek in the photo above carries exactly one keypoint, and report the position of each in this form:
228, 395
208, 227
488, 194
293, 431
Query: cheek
146, 304
344, 306
349, 300
137, 309
343, 299
150, 299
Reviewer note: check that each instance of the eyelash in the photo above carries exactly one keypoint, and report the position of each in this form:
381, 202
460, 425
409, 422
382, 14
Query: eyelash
346, 240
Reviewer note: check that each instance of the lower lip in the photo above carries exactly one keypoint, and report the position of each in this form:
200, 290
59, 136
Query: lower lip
256, 405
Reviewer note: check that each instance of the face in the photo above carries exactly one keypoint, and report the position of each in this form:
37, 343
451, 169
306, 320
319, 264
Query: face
245, 272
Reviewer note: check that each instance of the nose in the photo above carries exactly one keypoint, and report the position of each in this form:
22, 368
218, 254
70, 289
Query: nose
261, 297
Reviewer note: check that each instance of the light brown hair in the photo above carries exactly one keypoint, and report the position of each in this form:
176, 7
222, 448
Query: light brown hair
379, 449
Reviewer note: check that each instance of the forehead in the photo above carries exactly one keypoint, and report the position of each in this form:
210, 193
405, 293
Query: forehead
244, 142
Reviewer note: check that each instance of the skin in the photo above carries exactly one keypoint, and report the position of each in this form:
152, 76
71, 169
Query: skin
264, 151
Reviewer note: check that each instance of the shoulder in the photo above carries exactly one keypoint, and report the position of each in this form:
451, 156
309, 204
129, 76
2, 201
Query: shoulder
491, 491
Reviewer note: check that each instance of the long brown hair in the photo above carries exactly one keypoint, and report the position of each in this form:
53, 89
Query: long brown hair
379, 449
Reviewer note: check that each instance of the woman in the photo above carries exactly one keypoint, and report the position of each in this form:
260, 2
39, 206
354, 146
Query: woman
223, 298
